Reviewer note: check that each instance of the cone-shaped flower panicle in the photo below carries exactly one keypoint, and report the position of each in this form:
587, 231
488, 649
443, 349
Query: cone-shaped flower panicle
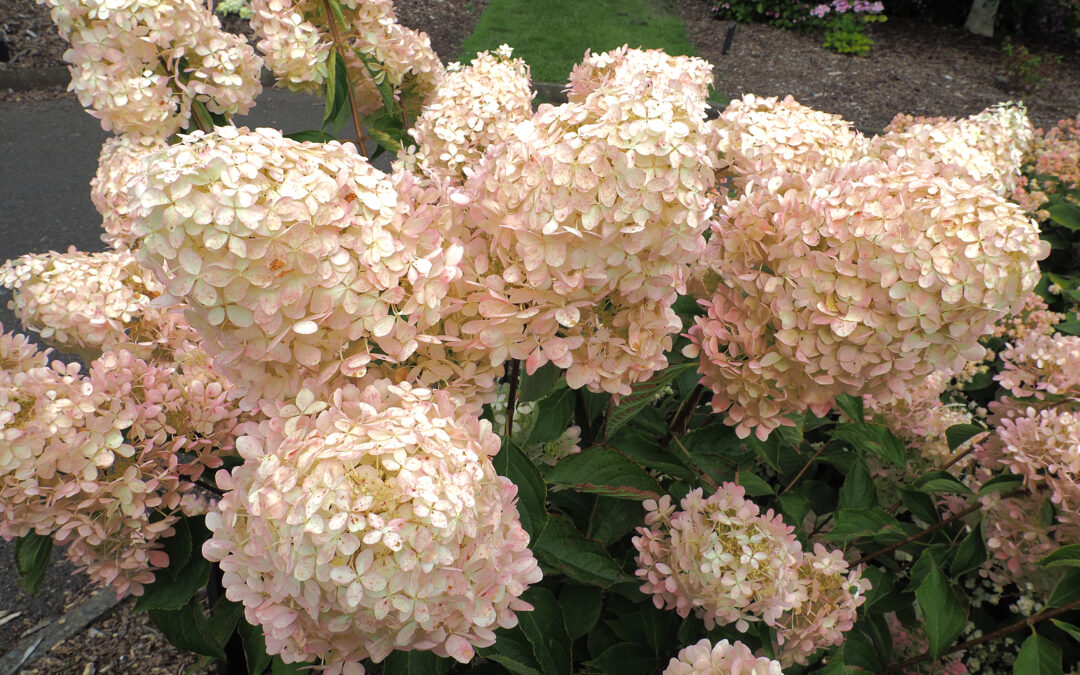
120, 161
371, 522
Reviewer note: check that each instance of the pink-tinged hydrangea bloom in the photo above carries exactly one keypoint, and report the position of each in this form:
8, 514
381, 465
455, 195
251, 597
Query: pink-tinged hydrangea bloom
120, 161
860, 280
79, 302
473, 108
725, 658
1053, 153
371, 522
757, 135
297, 259
140, 64
582, 228
675, 73
920, 418
833, 596
988, 147
296, 39
719, 558
93, 461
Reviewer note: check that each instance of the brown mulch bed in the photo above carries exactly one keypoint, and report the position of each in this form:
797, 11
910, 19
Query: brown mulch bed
913, 67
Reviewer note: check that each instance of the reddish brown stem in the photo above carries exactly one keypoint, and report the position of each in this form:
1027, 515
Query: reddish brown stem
340, 47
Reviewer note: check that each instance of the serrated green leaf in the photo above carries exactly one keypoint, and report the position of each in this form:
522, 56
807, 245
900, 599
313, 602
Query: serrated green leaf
224, 618
541, 383
603, 471
942, 481
641, 395
624, 658
754, 485
1072, 630
254, 647
585, 603
873, 438
612, 518
546, 631
855, 523
1038, 656
648, 453
553, 416
852, 406
175, 591
1003, 483
532, 492
562, 547
920, 505
1068, 556
858, 490
178, 547
1066, 215
1066, 590
188, 629
958, 434
944, 613
512, 651
415, 662
32, 555
971, 553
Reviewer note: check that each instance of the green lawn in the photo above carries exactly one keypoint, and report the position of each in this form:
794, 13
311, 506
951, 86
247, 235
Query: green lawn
552, 35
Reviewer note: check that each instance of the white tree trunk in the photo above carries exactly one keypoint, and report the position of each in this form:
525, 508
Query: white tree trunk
980, 19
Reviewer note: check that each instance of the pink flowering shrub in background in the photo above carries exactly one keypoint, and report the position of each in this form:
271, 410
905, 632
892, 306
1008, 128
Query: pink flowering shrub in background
433, 401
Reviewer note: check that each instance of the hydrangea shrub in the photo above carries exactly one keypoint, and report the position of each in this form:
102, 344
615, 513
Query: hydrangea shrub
609, 386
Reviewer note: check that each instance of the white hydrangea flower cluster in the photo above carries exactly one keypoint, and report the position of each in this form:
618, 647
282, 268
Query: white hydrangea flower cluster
120, 161
474, 108
139, 65
370, 522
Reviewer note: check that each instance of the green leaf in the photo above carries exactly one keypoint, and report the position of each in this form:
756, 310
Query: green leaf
1066, 590
512, 651
641, 395
1066, 215
532, 492
415, 662
553, 416
32, 555
625, 658
858, 490
1072, 630
612, 518
178, 547
795, 507
1003, 483
188, 629
224, 618
971, 553
378, 75
648, 453
1066, 555
546, 631
254, 647
942, 481
585, 603
541, 383
335, 92
175, 591
958, 434
855, 523
920, 505
1038, 656
873, 438
942, 610
561, 546
603, 471
754, 485
852, 406
310, 136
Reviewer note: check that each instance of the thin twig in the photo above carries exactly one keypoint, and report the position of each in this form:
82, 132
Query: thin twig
682, 416
933, 528
1002, 632
211, 488
802, 471
339, 47
705, 478
511, 398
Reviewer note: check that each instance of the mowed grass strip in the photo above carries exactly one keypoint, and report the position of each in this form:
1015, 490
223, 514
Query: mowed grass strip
552, 35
